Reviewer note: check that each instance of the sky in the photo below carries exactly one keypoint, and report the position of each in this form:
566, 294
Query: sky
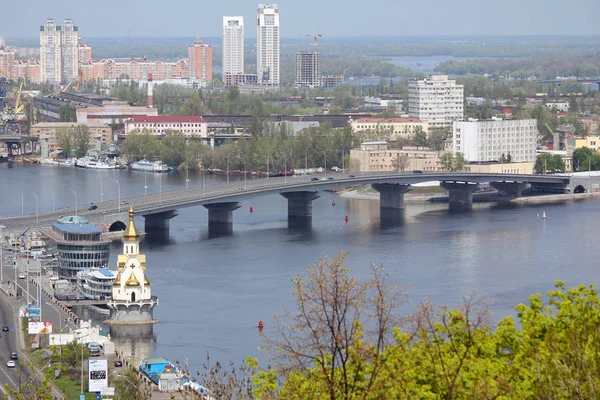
339, 18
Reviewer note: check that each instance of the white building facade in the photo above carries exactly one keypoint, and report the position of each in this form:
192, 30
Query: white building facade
233, 45
189, 126
50, 56
484, 141
308, 69
267, 45
436, 100
69, 49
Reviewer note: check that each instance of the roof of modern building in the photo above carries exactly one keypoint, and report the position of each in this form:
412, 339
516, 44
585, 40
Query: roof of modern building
72, 219
387, 120
165, 119
77, 225
69, 124
378, 142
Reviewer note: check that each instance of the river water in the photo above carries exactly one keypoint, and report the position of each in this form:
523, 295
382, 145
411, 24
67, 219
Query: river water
213, 291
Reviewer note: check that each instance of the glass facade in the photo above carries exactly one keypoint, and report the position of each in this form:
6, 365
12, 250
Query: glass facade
74, 257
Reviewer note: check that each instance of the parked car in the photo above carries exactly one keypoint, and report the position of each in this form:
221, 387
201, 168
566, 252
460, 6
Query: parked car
417, 171
351, 176
21, 276
92, 207
10, 364
124, 202
314, 179
5, 328
330, 178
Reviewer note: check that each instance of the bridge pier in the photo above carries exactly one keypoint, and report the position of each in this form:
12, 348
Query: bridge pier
391, 195
510, 189
460, 195
159, 221
220, 217
300, 208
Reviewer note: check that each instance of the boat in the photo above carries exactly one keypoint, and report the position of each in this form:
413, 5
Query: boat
149, 166
96, 283
93, 164
544, 215
49, 161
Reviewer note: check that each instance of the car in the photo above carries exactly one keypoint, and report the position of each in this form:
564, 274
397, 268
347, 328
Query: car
322, 178
330, 178
54, 278
118, 363
314, 179
21, 276
351, 176
417, 171
14, 356
92, 207
10, 364
5, 328
124, 202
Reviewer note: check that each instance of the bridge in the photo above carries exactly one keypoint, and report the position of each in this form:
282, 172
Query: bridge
222, 199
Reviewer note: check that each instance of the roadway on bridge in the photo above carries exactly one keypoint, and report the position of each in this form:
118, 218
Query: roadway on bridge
241, 190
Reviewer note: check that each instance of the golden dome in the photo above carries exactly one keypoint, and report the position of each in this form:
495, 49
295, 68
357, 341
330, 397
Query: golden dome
146, 281
132, 281
130, 233
117, 281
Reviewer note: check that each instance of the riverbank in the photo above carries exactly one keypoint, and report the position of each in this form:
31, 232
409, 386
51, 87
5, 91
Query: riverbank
434, 195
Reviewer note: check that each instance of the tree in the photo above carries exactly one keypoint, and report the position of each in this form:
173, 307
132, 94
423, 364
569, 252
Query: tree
81, 140
436, 137
29, 387
72, 354
581, 158
324, 339
420, 137
401, 162
65, 141
447, 161
128, 386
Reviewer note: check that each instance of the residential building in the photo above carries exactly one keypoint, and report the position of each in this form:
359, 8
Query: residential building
329, 81
267, 45
2, 41
577, 142
376, 156
85, 52
190, 126
50, 55
488, 140
7, 62
136, 69
562, 106
100, 134
200, 61
69, 49
233, 46
390, 128
240, 79
436, 100
28, 69
591, 124
308, 69
525, 167
79, 244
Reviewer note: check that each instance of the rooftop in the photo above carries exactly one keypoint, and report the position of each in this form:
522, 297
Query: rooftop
72, 219
166, 118
387, 120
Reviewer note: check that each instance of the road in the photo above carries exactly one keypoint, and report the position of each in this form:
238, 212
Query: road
8, 344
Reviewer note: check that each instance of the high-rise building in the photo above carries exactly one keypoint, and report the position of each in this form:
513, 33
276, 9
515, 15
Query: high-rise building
69, 48
2, 41
489, 140
50, 56
267, 44
436, 100
7, 63
308, 69
200, 61
233, 46
85, 52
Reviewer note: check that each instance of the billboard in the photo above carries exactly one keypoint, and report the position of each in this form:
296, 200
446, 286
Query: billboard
33, 312
61, 339
98, 374
35, 328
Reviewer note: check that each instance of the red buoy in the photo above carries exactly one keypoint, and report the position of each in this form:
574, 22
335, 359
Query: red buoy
251, 209
260, 324
346, 219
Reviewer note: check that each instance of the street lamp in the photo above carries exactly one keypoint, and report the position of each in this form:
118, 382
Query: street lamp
2, 254
228, 168
187, 177
160, 189
75, 193
119, 192
80, 338
325, 154
60, 323
145, 184
37, 204
245, 170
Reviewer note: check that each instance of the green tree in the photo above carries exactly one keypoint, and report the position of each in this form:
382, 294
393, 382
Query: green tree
81, 140
29, 387
420, 137
581, 158
65, 141
549, 163
128, 386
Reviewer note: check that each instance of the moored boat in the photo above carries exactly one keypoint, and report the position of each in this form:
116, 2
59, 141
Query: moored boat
149, 166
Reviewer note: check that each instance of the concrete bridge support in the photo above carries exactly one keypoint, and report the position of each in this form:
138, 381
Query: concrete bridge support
159, 221
300, 208
391, 195
220, 217
460, 195
510, 189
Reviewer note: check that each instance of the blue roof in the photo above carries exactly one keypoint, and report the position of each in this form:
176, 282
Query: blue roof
84, 229
106, 272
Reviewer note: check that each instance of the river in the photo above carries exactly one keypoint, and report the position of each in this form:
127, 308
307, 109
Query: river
213, 291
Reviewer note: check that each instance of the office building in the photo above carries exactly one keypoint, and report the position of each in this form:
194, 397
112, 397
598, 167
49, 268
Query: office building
233, 46
190, 126
377, 157
436, 100
267, 45
50, 56
308, 69
485, 141
100, 134
200, 61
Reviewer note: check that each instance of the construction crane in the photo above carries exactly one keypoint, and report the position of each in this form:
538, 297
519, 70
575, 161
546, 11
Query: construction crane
315, 37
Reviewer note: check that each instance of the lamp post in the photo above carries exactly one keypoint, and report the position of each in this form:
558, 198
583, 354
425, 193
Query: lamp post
325, 154
119, 192
284, 169
245, 170
37, 204
160, 189
75, 193
60, 324
145, 184
2, 254
187, 177
81, 338
228, 169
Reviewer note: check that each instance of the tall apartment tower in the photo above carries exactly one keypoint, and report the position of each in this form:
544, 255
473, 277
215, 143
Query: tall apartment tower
50, 55
85, 52
69, 48
233, 46
436, 100
308, 69
200, 61
7, 64
267, 45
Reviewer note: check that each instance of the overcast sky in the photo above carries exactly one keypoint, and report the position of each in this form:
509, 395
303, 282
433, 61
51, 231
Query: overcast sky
330, 17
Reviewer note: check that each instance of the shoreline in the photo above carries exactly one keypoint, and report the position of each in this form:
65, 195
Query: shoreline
363, 194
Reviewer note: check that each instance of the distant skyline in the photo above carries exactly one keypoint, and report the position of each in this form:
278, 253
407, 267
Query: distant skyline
334, 18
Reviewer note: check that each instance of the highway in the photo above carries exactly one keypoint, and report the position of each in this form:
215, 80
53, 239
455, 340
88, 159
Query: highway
8, 344
108, 211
